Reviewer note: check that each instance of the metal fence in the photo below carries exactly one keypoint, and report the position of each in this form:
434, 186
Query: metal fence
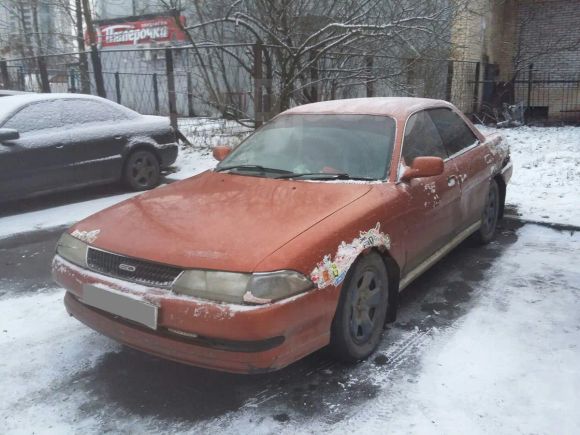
549, 96
171, 82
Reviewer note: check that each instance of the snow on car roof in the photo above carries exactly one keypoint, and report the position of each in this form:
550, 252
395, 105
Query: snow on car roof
387, 106
10, 104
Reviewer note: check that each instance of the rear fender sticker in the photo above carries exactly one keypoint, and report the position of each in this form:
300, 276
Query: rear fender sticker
332, 272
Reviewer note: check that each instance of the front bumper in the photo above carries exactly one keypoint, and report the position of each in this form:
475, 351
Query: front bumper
237, 339
167, 154
507, 171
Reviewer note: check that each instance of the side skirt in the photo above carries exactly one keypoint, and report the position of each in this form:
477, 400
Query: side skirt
440, 253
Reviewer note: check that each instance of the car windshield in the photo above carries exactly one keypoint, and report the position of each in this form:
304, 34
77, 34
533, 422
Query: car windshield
317, 146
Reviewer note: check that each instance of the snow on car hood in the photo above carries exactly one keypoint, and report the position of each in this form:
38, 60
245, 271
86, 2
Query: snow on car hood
216, 220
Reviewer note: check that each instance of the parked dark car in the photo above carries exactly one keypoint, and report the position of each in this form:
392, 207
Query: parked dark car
7, 93
54, 142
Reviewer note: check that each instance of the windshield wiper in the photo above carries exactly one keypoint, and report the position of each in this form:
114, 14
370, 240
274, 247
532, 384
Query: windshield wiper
325, 176
261, 169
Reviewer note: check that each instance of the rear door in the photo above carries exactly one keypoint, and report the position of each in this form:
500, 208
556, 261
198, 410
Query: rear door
469, 157
33, 163
434, 202
97, 136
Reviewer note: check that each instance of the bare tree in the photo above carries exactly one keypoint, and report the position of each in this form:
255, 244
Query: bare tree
310, 49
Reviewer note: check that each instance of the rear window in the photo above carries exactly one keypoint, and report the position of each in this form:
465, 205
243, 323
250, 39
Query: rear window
456, 135
87, 111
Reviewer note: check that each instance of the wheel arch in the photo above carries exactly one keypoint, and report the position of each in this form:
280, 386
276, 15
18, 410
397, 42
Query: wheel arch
137, 145
394, 272
502, 192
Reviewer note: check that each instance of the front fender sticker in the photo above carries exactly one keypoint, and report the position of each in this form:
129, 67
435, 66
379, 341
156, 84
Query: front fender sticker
332, 272
86, 236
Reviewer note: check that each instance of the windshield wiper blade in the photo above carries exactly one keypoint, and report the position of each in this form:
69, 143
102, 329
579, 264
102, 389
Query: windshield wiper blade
258, 168
325, 176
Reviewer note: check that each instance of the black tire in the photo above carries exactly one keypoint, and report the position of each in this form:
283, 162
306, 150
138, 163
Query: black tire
490, 215
142, 171
360, 316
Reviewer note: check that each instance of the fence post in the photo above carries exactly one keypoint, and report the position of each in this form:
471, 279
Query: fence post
73, 81
98, 72
20, 79
118, 87
190, 111
258, 84
476, 88
155, 93
369, 70
5, 76
530, 84
171, 97
449, 86
44, 82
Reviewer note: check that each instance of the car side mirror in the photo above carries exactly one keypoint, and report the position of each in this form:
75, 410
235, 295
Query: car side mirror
8, 134
221, 152
424, 167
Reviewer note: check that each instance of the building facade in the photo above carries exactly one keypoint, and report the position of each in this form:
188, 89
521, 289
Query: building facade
529, 51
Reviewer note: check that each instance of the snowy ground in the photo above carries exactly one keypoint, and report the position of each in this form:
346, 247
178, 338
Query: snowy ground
487, 342
546, 183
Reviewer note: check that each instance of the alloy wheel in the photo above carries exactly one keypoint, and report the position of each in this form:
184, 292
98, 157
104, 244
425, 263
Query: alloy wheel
143, 170
490, 212
365, 298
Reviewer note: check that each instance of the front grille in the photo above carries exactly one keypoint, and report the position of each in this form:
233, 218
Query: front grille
131, 269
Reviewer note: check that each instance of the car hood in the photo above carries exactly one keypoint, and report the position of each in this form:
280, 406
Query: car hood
215, 220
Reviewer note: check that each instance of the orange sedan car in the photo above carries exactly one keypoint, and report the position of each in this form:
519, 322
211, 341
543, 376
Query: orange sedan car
301, 237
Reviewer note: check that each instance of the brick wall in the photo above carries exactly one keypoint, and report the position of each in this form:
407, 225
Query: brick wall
513, 34
549, 35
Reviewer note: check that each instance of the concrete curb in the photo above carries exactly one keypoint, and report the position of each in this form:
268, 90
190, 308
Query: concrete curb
555, 226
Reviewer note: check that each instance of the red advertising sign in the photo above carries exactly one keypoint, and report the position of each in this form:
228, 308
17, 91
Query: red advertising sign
160, 29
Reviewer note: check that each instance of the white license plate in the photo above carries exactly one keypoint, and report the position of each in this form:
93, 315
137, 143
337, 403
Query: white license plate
125, 305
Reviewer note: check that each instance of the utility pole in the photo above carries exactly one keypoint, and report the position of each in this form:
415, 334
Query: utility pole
83, 61
97, 67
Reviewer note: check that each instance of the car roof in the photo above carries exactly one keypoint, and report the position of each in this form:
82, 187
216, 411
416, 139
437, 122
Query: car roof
397, 107
11, 104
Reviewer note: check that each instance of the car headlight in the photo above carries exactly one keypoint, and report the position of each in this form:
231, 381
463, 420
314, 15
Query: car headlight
272, 286
259, 288
72, 249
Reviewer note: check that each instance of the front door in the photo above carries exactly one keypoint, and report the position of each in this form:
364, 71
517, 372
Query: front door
471, 159
434, 203
33, 163
97, 137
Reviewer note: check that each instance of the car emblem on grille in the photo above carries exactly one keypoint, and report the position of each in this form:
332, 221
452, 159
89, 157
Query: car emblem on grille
127, 267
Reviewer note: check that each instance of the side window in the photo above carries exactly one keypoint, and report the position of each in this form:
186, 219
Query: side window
36, 117
421, 139
87, 111
455, 133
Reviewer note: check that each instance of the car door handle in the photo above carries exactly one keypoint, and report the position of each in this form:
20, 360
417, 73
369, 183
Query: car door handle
59, 147
119, 138
452, 180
